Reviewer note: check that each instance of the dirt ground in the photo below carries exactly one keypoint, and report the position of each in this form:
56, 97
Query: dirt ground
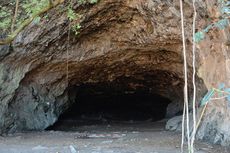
122, 137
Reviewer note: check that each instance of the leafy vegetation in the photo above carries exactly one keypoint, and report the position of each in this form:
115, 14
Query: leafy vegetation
31, 7
72, 16
85, 1
220, 24
27, 8
5, 17
30, 10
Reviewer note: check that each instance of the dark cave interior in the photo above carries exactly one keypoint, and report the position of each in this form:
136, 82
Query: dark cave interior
95, 104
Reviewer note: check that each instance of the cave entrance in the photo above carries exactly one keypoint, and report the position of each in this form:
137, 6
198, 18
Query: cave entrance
102, 104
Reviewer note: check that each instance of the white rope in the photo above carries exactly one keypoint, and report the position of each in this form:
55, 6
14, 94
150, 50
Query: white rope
218, 98
186, 109
68, 47
67, 56
183, 132
194, 77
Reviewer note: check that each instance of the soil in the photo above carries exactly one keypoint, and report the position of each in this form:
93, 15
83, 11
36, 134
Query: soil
114, 137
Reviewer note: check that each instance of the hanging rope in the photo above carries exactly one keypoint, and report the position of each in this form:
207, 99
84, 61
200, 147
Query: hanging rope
183, 131
186, 109
194, 76
68, 47
67, 56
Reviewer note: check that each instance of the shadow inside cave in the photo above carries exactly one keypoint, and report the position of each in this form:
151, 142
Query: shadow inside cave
101, 108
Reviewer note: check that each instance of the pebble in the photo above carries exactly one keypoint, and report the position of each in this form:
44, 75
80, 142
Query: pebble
39, 147
72, 149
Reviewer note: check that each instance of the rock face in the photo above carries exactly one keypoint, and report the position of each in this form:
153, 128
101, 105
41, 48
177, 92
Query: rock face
129, 45
213, 69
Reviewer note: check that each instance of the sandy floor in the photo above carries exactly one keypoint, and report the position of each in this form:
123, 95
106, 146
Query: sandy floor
104, 138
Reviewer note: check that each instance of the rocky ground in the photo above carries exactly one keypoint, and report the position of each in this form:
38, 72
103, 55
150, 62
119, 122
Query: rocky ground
122, 137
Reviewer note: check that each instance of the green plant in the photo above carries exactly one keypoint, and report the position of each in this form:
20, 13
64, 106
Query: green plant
75, 28
5, 17
220, 24
93, 1
31, 11
32, 7
85, 1
37, 20
28, 8
25, 21
72, 16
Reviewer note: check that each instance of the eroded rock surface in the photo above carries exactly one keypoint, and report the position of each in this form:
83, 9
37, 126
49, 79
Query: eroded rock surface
131, 44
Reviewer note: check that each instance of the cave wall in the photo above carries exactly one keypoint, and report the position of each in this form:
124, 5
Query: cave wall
214, 69
138, 41
117, 37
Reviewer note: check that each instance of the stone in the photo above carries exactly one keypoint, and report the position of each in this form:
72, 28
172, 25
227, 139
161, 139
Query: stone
5, 50
72, 149
174, 124
35, 89
174, 109
39, 147
128, 45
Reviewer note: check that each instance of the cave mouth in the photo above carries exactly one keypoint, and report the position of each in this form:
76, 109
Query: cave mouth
101, 105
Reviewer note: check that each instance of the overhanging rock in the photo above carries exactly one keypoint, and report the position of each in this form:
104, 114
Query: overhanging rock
133, 43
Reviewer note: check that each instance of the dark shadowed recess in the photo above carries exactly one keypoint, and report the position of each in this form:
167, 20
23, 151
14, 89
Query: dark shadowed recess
105, 104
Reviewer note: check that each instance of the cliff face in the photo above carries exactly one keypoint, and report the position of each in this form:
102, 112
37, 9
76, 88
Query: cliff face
129, 45
214, 69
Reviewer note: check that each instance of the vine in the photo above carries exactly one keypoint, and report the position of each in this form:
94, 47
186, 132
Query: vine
214, 94
221, 93
220, 24
26, 22
31, 10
